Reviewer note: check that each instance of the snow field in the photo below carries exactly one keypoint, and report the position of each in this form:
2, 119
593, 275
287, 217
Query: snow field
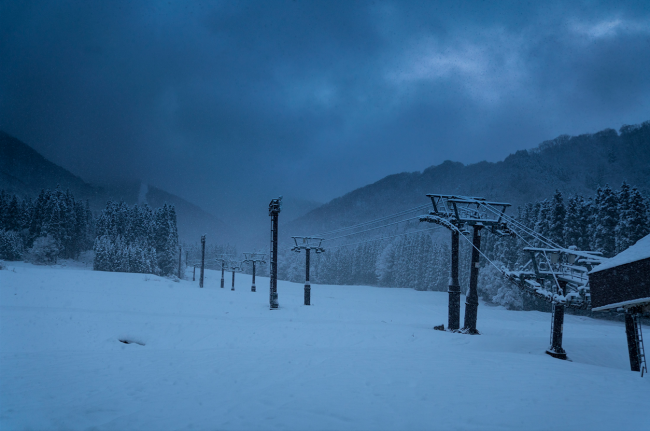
358, 358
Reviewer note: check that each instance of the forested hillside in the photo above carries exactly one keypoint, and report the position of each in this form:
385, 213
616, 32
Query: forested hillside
574, 165
608, 222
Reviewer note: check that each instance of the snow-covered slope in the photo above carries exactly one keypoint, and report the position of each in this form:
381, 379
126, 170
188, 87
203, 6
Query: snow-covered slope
359, 358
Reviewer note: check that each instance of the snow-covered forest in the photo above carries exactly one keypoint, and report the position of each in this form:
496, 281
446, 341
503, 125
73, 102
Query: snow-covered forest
136, 239
57, 226
54, 225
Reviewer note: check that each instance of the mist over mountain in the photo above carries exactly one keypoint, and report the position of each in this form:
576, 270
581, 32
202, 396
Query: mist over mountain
572, 164
24, 172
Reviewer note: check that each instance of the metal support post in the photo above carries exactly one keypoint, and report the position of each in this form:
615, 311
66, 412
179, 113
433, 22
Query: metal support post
307, 284
233, 280
471, 302
222, 269
194, 273
632, 343
273, 299
454, 286
274, 210
180, 258
556, 350
253, 258
253, 285
202, 260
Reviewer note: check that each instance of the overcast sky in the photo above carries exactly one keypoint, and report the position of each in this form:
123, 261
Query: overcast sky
231, 102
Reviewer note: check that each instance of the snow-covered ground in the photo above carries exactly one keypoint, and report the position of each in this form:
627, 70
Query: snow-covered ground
358, 358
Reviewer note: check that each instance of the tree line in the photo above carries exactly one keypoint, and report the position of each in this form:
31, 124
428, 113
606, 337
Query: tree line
415, 260
608, 222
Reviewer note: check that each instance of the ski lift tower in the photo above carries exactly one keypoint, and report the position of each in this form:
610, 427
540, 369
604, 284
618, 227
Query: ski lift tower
456, 213
558, 275
308, 244
224, 259
254, 258
235, 266
275, 206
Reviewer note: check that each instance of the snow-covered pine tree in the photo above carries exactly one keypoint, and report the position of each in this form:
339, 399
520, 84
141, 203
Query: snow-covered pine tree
11, 245
12, 215
639, 225
543, 218
576, 223
556, 218
101, 261
604, 222
622, 228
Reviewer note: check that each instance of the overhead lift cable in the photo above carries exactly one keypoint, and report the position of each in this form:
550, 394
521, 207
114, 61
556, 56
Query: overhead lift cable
385, 237
372, 228
359, 225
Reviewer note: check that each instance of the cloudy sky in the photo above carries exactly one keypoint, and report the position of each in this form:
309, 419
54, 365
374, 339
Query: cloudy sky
229, 103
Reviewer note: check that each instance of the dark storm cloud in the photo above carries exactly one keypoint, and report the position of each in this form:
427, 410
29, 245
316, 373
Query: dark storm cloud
215, 101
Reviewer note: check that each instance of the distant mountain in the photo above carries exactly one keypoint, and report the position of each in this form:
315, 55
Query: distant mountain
576, 164
293, 208
24, 172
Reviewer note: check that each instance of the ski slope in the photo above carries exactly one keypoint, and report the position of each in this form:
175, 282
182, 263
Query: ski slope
359, 358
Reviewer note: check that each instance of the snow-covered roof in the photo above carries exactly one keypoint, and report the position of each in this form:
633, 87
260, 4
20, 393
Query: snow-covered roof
639, 251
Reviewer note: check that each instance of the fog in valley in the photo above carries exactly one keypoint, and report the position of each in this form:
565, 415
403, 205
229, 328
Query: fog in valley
400, 176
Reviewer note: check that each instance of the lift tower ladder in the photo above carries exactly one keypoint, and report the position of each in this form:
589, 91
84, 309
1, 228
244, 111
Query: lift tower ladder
639, 344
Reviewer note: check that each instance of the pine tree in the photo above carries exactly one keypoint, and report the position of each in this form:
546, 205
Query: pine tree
556, 218
622, 228
574, 226
13, 219
605, 221
542, 219
11, 245
639, 225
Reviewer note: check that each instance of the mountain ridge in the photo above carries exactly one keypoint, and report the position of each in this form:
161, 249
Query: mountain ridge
572, 164
25, 172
